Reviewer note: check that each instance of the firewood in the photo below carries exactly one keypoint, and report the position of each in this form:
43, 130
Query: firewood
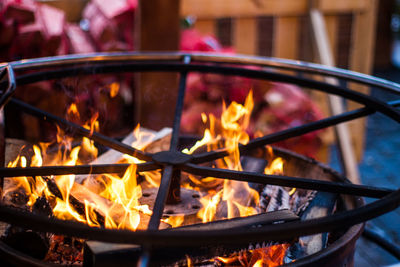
159, 141
29, 242
32, 243
322, 205
79, 194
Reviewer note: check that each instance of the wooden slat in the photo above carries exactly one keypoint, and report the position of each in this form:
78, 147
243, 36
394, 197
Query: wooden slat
242, 8
224, 31
245, 36
265, 36
208, 9
326, 57
205, 26
319, 97
286, 37
342, 6
361, 60
332, 29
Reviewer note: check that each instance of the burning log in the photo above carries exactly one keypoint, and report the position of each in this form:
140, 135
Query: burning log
78, 206
156, 141
27, 241
79, 194
253, 164
106, 254
322, 205
308, 205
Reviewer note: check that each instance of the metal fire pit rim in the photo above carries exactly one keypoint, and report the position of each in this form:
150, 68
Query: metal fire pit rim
342, 243
382, 107
217, 236
386, 204
241, 59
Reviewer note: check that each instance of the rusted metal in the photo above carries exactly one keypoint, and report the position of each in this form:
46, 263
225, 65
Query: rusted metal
188, 206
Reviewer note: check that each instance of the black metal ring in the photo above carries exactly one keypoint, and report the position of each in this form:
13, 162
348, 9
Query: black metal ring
103, 63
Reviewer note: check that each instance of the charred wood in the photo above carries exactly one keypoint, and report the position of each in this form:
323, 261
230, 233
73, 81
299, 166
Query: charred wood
322, 205
31, 243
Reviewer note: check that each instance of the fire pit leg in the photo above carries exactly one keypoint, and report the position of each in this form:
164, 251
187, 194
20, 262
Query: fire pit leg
174, 193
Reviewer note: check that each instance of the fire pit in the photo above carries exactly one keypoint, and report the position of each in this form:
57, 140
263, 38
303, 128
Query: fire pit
154, 246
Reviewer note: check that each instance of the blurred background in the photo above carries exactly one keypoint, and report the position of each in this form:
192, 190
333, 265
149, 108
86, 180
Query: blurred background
362, 35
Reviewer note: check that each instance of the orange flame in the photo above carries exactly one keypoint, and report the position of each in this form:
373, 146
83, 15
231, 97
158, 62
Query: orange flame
114, 89
116, 198
118, 202
240, 199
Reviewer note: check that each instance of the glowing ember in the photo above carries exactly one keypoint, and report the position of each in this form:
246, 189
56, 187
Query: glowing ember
262, 257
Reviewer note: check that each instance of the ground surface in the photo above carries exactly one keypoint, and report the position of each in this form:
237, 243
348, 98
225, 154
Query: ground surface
381, 167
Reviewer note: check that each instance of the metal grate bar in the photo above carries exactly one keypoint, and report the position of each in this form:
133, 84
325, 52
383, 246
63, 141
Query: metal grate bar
304, 183
179, 107
290, 133
161, 198
80, 169
170, 180
73, 128
276, 232
9, 91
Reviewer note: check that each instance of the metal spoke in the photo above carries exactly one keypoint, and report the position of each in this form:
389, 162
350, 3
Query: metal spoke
161, 198
304, 183
290, 133
79, 169
76, 129
276, 232
167, 177
179, 107
9, 91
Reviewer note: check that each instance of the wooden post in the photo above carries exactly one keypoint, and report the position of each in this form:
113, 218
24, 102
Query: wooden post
157, 29
361, 60
325, 54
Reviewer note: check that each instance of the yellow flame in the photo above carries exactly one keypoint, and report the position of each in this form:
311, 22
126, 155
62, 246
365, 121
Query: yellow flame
245, 211
204, 117
227, 260
292, 191
207, 213
189, 261
207, 139
118, 203
234, 122
276, 167
114, 89
174, 221
258, 263
91, 217
73, 110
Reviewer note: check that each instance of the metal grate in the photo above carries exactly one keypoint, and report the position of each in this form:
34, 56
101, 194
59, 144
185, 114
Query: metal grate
173, 162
